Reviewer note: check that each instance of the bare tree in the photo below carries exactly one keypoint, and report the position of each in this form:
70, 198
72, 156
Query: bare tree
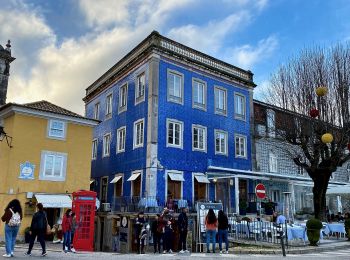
293, 88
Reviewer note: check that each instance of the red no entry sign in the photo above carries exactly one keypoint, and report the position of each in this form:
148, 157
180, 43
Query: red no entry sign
260, 191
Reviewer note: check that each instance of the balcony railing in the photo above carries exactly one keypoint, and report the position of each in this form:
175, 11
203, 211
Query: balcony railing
151, 204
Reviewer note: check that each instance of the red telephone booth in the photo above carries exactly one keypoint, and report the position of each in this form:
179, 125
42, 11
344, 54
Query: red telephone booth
84, 203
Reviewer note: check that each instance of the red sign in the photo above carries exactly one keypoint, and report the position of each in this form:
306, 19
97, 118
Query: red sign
260, 191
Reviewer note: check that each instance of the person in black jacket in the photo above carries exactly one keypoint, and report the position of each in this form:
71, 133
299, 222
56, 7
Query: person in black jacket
38, 229
156, 234
139, 224
183, 227
222, 228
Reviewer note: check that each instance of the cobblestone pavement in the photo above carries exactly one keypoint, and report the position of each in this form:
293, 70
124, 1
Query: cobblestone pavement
335, 254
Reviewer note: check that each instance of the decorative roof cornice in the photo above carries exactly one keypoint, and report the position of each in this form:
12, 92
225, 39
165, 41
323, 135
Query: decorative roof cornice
159, 44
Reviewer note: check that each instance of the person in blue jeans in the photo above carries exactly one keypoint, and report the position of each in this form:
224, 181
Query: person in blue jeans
222, 228
12, 218
211, 224
67, 230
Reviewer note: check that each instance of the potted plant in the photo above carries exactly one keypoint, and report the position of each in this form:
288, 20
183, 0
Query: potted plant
27, 235
313, 227
242, 207
347, 228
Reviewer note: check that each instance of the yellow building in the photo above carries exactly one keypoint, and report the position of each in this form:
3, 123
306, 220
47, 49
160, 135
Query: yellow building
45, 155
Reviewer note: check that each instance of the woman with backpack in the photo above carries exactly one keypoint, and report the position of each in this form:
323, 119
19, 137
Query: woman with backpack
38, 229
211, 223
12, 218
223, 230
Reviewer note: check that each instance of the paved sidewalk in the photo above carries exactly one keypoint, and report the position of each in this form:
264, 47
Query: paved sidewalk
242, 250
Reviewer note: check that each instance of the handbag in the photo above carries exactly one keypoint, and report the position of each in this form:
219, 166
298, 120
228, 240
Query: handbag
48, 228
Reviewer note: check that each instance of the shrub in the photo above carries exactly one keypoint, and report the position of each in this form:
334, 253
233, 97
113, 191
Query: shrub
314, 223
313, 231
347, 227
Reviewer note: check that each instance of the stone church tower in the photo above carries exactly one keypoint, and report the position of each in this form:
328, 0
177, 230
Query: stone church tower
5, 60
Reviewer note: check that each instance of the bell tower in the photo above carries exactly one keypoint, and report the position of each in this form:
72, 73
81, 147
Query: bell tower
5, 60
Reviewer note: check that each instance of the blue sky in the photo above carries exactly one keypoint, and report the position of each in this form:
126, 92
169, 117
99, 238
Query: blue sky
62, 46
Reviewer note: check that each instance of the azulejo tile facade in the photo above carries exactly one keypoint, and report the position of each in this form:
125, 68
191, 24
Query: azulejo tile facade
171, 113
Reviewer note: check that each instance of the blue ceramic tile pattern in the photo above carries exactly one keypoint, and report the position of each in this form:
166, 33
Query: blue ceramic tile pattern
184, 159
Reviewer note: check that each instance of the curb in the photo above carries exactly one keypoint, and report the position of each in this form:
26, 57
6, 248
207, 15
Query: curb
290, 251
236, 252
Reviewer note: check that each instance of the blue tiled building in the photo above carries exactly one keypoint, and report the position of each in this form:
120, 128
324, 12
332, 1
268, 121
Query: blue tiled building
175, 123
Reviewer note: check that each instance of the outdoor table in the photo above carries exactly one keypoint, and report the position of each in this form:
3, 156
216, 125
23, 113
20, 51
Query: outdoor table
296, 232
334, 228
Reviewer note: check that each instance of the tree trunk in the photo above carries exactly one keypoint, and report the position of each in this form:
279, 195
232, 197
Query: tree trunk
319, 191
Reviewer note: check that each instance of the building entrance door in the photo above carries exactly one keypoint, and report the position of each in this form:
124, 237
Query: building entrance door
223, 193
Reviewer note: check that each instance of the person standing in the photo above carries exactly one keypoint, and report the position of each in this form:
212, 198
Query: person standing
12, 218
168, 232
74, 227
67, 230
223, 230
139, 224
156, 234
211, 223
38, 230
183, 228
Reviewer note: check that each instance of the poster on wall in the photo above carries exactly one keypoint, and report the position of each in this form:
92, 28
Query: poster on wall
26, 171
202, 209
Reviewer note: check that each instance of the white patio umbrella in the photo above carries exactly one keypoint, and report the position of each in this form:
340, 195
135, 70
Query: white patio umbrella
345, 189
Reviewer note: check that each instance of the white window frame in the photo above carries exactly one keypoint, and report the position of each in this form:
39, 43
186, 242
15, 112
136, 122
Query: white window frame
271, 119
94, 149
217, 110
106, 150
97, 111
49, 128
273, 163
119, 131
63, 170
195, 126
166, 182
175, 99
174, 121
226, 142
123, 107
109, 105
300, 171
238, 153
242, 98
138, 145
141, 98
197, 105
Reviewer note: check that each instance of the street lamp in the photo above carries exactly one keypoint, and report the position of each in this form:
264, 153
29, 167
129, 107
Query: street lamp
3, 136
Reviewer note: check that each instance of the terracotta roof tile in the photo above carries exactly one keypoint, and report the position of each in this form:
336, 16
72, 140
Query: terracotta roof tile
46, 106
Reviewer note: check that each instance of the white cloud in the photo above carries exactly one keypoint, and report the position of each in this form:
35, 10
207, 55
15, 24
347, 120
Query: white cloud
60, 72
106, 12
209, 38
247, 56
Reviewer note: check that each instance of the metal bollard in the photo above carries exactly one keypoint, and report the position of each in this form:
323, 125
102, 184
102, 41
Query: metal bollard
282, 243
